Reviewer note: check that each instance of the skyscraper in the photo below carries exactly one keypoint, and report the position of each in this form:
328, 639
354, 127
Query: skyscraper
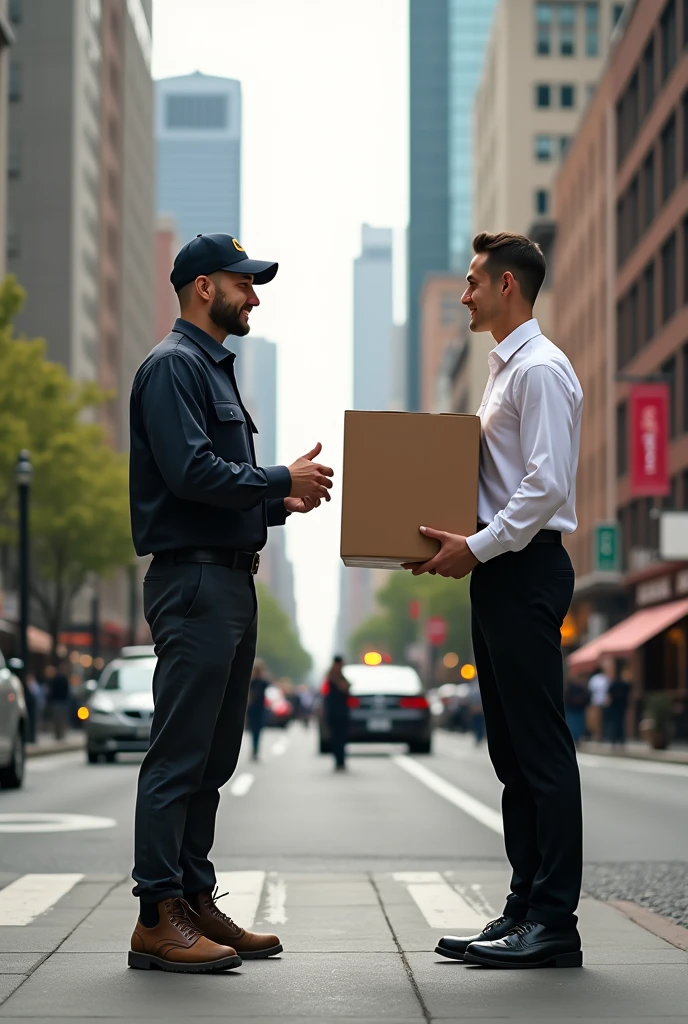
6, 40
447, 49
373, 363
198, 135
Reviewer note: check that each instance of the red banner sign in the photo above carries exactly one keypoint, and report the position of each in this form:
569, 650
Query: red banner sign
436, 630
649, 440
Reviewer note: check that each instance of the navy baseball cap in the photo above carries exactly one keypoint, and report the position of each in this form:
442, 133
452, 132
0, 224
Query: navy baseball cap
205, 254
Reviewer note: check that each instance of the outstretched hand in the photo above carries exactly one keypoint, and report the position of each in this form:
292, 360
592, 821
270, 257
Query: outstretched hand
302, 504
454, 560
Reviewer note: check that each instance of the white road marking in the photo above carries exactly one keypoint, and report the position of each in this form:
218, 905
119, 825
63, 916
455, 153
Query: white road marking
24, 899
276, 899
25, 822
241, 784
440, 904
464, 801
627, 764
244, 889
280, 747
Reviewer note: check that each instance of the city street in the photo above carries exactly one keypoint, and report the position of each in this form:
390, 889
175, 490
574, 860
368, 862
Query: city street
359, 873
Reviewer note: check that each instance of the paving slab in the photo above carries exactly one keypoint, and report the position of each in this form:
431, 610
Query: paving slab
282, 1019
75, 986
19, 963
455, 991
8, 983
336, 894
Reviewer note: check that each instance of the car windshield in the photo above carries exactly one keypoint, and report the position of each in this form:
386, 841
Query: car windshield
133, 677
393, 679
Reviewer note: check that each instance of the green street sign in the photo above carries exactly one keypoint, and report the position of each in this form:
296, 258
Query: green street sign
606, 547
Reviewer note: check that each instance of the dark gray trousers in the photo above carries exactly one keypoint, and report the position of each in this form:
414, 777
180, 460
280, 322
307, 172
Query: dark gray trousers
203, 619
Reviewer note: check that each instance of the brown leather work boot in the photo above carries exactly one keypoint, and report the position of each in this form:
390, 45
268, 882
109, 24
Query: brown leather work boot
176, 944
217, 926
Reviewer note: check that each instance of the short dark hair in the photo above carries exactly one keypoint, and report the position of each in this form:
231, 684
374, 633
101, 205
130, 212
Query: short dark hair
517, 254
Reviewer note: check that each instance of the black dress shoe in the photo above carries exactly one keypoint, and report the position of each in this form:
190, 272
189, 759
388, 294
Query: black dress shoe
529, 944
454, 946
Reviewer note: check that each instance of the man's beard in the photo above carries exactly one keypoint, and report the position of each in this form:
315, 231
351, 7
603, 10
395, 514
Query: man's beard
228, 317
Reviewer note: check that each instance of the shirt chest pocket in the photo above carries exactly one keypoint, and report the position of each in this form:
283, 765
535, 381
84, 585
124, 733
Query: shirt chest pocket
230, 432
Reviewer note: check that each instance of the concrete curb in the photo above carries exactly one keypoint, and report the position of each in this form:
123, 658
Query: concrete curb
662, 927
57, 747
656, 756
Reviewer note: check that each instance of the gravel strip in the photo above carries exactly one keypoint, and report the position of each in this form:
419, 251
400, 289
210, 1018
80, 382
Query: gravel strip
662, 887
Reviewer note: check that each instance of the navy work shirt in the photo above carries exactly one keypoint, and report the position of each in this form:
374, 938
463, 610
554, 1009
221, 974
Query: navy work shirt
193, 479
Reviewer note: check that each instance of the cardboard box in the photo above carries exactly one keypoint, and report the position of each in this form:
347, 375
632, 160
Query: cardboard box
404, 470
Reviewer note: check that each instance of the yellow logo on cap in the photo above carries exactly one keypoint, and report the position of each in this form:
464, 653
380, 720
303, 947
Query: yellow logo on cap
237, 246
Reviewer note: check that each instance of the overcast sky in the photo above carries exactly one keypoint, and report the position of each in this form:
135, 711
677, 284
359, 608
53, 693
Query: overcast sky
325, 139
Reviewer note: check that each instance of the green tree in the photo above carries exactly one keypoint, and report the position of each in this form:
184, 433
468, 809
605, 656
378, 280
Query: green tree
278, 644
79, 503
392, 629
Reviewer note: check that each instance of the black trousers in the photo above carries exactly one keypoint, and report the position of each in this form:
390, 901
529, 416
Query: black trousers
339, 730
519, 601
203, 620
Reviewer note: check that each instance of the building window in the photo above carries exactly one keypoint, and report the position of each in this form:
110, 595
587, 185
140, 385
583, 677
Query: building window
685, 22
568, 96
567, 29
564, 143
633, 323
649, 300
541, 201
685, 414
592, 30
450, 307
14, 159
543, 147
685, 261
543, 29
617, 11
543, 96
649, 188
193, 110
667, 28
15, 90
684, 106
621, 346
14, 9
633, 214
648, 70
669, 370
621, 246
669, 278
621, 439
668, 145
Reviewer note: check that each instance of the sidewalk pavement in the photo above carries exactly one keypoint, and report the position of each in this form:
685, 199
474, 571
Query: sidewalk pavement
357, 949
47, 744
634, 748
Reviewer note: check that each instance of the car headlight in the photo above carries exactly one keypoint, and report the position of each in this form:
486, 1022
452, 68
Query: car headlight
102, 704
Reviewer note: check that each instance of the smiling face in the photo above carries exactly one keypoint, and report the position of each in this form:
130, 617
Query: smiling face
483, 295
232, 302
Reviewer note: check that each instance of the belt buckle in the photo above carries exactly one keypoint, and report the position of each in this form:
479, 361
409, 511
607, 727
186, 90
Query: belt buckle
255, 563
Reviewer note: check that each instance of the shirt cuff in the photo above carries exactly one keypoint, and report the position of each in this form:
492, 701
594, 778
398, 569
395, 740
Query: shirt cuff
279, 481
484, 545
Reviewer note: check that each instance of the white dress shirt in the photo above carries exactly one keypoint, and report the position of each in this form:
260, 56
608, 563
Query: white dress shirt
530, 439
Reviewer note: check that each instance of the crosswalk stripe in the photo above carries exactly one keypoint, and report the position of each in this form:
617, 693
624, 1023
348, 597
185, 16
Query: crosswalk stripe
280, 747
464, 801
244, 889
241, 784
440, 904
23, 900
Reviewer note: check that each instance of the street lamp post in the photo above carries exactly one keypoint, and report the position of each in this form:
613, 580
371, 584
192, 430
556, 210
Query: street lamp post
23, 474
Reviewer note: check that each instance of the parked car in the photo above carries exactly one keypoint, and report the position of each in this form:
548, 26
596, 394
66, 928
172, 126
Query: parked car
387, 705
120, 708
13, 725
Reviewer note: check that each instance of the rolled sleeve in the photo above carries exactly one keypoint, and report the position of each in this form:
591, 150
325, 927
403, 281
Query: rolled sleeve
173, 410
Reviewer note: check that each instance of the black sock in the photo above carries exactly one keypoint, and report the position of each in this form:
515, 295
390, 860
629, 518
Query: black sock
148, 914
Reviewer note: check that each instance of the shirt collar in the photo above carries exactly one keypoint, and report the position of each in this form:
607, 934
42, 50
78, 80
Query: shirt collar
516, 340
214, 349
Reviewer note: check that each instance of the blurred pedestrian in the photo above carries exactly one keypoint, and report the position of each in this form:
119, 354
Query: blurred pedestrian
58, 699
38, 702
598, 687
576, 700
618, 694
306, 699
477, 714
255, 713
201, 505
336, 711
521, 590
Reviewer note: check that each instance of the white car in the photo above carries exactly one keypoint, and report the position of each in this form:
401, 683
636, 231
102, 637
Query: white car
13, 726
120, 708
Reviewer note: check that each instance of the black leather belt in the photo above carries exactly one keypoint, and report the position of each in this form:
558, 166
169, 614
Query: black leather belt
244, 561
542, 537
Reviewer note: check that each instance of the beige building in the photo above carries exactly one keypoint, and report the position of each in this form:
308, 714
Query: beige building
542, 64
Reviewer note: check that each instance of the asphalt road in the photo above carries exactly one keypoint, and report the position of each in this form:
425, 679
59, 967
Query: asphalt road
359, 872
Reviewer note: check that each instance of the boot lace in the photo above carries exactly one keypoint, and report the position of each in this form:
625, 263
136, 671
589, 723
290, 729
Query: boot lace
492, 924
523, 927
180, 913
219, 914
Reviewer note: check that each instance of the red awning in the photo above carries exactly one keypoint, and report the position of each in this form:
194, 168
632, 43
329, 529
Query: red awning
626, 637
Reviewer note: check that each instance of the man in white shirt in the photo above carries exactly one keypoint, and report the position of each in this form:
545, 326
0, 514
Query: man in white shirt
521, 588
